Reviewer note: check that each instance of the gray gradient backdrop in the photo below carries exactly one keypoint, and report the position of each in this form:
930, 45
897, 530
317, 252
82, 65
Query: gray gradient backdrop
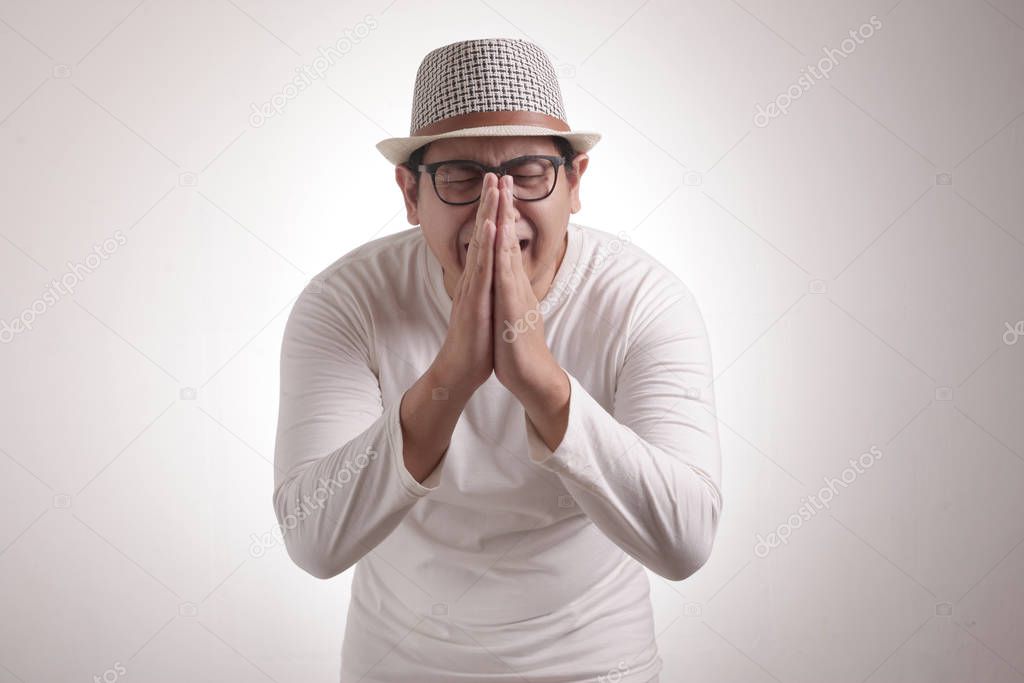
858, 258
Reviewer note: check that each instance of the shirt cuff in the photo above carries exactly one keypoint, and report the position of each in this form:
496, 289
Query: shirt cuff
572, 458
396, 444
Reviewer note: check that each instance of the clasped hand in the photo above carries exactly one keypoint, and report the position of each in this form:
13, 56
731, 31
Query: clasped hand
495, 323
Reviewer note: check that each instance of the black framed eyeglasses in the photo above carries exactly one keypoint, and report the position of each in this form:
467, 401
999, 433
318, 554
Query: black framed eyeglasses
459, 181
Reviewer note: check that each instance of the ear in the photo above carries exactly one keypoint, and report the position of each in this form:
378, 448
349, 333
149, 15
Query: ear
579, 165
408, 183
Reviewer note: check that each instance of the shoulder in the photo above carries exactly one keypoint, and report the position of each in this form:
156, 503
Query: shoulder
619, 270
369, 276
378, 260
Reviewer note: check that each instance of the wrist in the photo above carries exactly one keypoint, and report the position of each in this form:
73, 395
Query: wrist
549, 394
548, 410
446, 384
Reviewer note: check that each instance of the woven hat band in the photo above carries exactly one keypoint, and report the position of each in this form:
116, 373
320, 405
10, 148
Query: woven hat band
493, 118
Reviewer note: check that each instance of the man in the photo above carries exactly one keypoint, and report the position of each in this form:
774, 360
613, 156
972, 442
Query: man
499, 417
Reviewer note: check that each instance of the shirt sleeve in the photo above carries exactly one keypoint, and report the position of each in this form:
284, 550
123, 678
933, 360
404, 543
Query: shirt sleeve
340, 483
648, 474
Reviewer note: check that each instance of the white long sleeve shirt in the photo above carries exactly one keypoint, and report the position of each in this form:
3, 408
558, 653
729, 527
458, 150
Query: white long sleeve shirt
509, 561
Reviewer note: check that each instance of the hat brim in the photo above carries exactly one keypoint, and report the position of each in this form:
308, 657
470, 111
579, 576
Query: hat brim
397, 150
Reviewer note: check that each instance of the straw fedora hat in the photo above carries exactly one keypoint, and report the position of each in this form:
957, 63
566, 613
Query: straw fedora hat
485, 87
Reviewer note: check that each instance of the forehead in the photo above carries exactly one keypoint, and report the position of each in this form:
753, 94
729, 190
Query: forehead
489, 150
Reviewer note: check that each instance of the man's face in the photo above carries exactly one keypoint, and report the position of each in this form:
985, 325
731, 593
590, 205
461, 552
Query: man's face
539, 225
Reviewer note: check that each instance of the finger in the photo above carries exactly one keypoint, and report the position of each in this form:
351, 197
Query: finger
524, 286
484, 212
508, 252
473, 251
482, 281
506, 210
488, 200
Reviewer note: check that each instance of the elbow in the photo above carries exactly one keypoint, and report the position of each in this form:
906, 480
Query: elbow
303, 546
311, 563
683, 563
684, 559
311, 556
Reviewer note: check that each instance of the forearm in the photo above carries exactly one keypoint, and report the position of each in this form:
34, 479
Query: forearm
547, 408
654, 504
659, 510
430, 410
335, 508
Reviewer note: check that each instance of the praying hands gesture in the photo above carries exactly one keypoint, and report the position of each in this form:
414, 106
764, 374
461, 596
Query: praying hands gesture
495, 322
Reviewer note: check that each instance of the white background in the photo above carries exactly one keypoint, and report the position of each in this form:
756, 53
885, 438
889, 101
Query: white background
859, 262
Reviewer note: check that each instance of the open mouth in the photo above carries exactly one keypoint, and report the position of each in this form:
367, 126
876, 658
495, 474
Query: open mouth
523, 244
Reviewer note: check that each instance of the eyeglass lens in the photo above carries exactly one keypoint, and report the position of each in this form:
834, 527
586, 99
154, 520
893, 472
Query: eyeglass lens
460, 183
